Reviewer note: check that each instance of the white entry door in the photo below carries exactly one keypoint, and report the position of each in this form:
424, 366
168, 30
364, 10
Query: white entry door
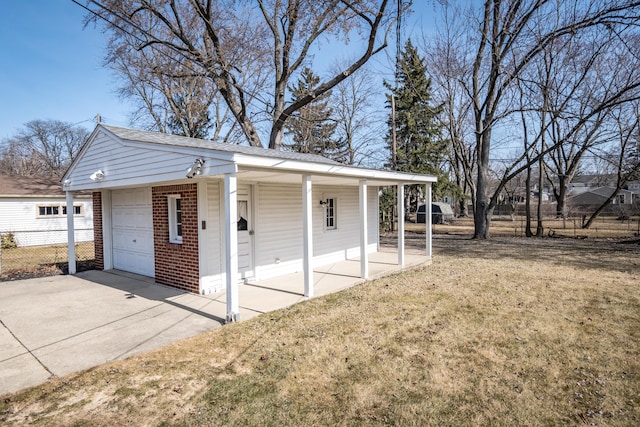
245, 232
132, 231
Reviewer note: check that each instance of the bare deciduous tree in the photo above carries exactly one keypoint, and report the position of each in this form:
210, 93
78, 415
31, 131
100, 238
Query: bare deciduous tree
354, 115
448, 73
42, 148
508, 38
224, 41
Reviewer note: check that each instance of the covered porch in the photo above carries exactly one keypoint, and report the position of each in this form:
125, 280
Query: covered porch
274, 294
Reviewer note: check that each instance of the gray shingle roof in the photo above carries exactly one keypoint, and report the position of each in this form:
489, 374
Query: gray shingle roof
11, 185
183, 141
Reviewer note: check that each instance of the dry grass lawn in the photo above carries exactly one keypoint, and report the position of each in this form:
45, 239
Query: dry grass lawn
33, 261
503, 333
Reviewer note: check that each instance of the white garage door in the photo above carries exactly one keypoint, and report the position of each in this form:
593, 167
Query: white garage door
132, 223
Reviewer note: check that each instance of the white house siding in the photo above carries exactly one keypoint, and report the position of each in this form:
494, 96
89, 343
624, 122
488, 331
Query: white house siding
212, 243
132, 164
279, 227
344, 242
20, 217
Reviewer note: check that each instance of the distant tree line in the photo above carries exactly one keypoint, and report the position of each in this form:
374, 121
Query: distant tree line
43, 148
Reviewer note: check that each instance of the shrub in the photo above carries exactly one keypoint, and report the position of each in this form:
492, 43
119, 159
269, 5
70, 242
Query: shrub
8, 241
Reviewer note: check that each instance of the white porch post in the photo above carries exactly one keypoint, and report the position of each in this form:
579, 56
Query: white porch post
231, 247
364, 254
400, 202
427, 217
307, 235
71, 240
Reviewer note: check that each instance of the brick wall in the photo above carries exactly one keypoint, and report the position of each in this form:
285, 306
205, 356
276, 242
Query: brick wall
97, 230
176, 264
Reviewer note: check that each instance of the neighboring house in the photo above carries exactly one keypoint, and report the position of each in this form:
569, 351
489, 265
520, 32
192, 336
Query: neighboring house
247, 214
34, 210
593, 198
634, 187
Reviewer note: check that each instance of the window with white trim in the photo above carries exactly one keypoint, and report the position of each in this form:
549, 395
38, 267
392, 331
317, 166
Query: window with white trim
175, 219
330, 211
57, 210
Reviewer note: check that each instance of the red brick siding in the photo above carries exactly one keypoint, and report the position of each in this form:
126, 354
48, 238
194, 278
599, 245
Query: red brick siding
176, 265
97, 230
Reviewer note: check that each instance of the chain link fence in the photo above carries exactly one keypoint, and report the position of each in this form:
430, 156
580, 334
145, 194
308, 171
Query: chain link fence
25, 254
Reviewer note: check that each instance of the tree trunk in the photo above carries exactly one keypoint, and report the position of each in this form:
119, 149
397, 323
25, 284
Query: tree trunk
277, 132
482, 214
527, 205
561, 203
540, 228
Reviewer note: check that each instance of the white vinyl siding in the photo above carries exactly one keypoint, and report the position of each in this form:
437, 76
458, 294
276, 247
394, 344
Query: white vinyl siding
343, 242
278, 225
132, 163
20, 216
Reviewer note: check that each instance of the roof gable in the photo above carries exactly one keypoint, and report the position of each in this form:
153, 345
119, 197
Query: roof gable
127, 157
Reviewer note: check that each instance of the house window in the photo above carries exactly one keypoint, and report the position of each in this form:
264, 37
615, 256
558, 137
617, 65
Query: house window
621, 197
59, 210
175, 219
49, 210
330, 210
77, 210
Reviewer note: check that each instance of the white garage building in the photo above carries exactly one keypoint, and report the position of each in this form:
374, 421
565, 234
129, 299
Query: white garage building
203, 216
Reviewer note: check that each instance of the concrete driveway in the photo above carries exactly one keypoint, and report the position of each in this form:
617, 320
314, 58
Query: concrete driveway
57, 325
62, 324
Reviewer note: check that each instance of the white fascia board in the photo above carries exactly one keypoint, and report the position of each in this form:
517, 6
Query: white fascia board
273, 164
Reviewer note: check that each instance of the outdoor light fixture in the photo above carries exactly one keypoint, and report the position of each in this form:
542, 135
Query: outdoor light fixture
195, 168
97, 176
66, 183
324, 202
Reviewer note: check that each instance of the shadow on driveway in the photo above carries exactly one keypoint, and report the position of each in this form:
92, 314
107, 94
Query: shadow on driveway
56, 325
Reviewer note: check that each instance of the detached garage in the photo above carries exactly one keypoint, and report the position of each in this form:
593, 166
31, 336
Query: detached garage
205, 217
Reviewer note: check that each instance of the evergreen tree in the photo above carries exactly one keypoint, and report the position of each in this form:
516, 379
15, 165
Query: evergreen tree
420, 147
311, 127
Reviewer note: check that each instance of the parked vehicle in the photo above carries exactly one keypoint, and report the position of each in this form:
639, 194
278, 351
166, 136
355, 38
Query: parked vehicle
440, 213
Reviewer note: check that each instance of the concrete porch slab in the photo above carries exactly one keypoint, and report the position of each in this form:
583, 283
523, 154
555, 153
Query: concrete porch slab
274, 294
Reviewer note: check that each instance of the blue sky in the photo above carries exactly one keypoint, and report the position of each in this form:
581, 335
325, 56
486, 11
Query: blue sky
50, 66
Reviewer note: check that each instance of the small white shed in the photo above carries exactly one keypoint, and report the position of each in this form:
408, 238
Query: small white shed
204, 216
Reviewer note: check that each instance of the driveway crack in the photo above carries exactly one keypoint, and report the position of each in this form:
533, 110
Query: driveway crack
27, 349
